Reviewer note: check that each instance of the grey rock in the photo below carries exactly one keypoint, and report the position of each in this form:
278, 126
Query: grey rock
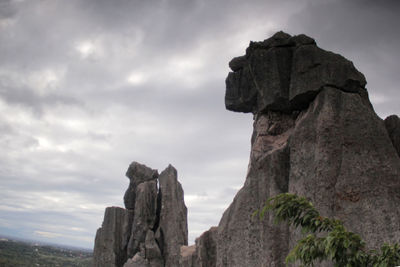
206, 249
284, 73
244, 240
150, 232
237, 63
188, 256
144, 215
137, 173
313, 68
137, 261
302, 39
110, 242
242, 93
342, 159
316, 135
392, 124
172, 232
153, 253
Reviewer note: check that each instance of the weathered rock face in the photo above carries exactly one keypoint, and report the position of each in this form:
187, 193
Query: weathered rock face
392, 124
244, 240
172, 232
284, 73
110, 238
316, 135
144, 216
128, 236
203, 253
188, 257
137, 173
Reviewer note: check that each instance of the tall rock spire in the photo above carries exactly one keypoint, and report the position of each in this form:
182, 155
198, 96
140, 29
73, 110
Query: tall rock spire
152, 228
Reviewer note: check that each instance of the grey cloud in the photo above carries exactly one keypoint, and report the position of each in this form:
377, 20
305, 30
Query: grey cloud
37, 103
7, 9
169, 118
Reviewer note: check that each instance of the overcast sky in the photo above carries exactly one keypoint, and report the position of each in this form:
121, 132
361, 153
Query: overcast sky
87, 86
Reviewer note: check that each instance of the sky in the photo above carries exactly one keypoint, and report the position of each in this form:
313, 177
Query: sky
88, 86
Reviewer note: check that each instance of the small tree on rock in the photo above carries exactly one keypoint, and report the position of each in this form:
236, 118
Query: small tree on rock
335, 243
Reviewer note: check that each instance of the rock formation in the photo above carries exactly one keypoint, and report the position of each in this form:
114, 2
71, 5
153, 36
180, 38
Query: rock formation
152, 228
392, 124
203, 253
315, 134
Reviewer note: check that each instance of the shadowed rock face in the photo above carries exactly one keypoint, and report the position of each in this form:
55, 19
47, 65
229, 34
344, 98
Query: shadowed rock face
285, 73
137, 173
316, 135
172, 232
109, 247
392, 124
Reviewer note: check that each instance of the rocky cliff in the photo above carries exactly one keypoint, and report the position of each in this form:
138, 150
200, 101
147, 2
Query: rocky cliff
315, 134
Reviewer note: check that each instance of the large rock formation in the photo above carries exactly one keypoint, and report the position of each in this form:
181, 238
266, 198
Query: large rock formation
316, 135
152, 228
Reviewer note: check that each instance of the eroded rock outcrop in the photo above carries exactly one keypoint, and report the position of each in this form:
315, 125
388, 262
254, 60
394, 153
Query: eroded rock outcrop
203, 253
172, 232
152, 228
316, 135
111, 238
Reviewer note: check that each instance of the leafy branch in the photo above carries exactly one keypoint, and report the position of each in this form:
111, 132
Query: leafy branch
342, 247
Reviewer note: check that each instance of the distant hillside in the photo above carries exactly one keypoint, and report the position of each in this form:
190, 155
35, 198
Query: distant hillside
17, 253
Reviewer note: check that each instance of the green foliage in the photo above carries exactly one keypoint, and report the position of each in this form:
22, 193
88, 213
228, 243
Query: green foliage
326, 239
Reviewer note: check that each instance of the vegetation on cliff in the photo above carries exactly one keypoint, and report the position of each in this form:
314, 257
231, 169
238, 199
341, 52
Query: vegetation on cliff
327, 238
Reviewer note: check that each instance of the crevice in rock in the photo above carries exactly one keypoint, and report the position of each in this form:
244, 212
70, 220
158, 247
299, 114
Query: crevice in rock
158, 210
